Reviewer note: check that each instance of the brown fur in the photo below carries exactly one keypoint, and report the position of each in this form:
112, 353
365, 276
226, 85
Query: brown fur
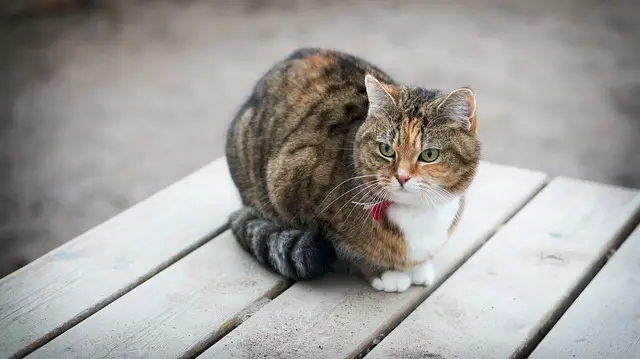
456, 220
300, 141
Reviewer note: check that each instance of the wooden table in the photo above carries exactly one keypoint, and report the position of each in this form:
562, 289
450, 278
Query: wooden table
547, 268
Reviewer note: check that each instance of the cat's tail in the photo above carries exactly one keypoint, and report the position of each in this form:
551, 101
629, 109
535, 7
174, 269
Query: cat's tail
294, 253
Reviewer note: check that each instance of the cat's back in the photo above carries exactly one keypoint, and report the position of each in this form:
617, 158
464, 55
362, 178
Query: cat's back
301, 116
312, 86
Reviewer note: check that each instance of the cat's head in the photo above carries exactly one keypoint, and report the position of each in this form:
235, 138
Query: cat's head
418, 146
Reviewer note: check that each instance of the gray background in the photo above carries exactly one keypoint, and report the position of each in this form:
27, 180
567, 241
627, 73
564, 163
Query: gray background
100, 109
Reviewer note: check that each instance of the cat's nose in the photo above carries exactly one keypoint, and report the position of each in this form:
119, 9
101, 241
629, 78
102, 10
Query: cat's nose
402, 179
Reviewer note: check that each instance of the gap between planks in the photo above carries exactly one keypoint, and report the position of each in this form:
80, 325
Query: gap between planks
179, 312
362, 350
108, 300
411, 301
242, 314
375, 339
90, 294
603, 219
620, 237
604, 321
238, 319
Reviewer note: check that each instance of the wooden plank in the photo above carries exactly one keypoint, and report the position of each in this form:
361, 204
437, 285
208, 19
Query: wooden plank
495, 305
70, 283
177, 312
331, 318
604, 321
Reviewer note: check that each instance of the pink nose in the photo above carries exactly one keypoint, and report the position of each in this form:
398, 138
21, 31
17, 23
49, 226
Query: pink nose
402, 179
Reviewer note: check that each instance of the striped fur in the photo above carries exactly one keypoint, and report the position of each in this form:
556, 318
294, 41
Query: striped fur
293, 253
303, 151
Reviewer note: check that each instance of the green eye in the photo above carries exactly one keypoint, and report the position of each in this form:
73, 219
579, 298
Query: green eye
386, 150
429, 155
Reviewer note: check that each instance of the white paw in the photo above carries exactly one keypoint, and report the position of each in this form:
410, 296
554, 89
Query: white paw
392, 281
423, 274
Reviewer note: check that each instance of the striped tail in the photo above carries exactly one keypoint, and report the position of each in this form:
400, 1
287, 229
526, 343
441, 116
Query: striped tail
294, 253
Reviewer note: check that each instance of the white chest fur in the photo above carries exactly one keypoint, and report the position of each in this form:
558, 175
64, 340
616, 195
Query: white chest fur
425, 229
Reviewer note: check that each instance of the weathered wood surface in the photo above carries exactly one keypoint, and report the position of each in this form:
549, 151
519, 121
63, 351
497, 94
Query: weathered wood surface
495, 305
337, 316
154, 283
75, 280
604, 321
179, 311
140, 323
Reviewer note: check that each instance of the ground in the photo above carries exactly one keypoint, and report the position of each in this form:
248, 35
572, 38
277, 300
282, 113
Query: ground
101, 109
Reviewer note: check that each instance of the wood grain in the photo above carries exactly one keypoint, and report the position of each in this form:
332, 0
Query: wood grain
497, 302
333, 317
604, 321
177, 312
70, 283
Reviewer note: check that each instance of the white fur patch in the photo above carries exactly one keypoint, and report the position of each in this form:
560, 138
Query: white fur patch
423, 274
392, 281
425, 228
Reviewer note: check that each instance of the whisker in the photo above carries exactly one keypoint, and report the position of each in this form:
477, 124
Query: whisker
443, 198
342, 195
446, 195
354, 207
447, 192
351, 199
365, 214
379, 211
431, 201
343, 182
374, 198
443, 194
422, 197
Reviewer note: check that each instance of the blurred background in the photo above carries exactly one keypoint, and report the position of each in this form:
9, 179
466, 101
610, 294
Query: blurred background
103, 103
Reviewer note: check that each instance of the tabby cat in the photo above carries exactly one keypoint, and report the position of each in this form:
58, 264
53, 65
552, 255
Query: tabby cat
335, 160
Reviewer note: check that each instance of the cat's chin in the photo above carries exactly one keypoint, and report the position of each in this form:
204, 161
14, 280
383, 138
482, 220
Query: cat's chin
416, 199
406, 198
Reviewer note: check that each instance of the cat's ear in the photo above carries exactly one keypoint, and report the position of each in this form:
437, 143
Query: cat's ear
460, 104
380, 96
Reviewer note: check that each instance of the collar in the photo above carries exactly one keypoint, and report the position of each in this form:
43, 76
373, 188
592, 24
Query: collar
378, 209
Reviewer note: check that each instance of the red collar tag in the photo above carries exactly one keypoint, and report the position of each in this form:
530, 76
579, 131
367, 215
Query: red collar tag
378, 210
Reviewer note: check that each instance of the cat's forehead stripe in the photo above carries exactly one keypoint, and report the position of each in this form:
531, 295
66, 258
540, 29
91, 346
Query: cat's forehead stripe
410, 135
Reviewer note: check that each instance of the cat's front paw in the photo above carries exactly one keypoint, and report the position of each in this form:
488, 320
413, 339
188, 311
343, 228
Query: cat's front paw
423, 274
392, 281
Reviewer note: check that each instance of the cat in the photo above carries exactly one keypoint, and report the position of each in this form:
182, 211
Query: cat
334, 161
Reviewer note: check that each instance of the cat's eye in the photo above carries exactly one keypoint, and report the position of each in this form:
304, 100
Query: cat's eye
386, 150
429, 155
